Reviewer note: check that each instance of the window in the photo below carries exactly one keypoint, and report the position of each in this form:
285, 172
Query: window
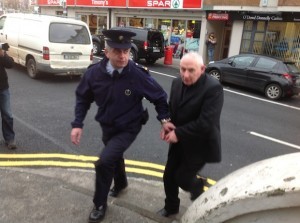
68, 33
242, 62
265, 63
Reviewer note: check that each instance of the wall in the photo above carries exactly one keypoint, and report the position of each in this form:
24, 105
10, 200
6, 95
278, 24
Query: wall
236, 38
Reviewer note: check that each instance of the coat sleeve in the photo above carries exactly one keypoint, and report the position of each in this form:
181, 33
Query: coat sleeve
84, 98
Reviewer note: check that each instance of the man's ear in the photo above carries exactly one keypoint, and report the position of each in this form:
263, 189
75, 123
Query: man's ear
203, 68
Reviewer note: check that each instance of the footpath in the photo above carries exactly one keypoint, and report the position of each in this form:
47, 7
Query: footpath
60, 195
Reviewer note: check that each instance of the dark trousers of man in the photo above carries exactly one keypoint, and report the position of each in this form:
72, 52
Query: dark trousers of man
6, 115
111, 162
179, 172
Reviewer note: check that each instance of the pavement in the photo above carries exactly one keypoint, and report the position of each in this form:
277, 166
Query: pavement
62, 195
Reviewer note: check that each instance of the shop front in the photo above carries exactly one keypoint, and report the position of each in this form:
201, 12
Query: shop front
276, 35
180, 29
178, 20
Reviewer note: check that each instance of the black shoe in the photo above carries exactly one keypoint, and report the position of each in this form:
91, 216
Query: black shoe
197, 189
164, 213
11, 144
114, 192
97, 214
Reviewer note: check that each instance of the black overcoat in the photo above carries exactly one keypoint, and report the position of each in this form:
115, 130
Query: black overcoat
196, 116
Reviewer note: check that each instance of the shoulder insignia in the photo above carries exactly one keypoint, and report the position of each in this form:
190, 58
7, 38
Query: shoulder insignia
142, 67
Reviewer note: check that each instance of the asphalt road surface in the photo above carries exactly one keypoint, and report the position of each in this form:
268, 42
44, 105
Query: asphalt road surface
253, 128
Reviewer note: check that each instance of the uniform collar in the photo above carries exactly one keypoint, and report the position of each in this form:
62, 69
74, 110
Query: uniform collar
110, 69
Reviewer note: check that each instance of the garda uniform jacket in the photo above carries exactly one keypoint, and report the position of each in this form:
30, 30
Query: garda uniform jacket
197, 119
119, 99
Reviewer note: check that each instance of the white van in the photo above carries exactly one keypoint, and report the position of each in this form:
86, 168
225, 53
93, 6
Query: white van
44, 43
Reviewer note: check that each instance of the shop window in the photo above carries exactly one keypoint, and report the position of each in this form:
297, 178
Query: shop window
151, 23
121, 22
136, 22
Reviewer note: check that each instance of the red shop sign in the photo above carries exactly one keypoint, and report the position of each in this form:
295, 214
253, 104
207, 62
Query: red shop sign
218, 16
169, 4
104, 3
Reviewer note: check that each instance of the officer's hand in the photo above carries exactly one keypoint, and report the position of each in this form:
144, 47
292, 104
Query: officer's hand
1, 52
76, 135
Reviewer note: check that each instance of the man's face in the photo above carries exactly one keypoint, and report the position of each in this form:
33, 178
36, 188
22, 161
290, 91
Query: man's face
190, 70
118, 57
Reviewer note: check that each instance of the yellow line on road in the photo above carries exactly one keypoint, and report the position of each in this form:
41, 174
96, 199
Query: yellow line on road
74, 164
84, 164
77, 157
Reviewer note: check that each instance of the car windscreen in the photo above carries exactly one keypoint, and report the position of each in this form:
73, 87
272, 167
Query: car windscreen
292, 68
68, 33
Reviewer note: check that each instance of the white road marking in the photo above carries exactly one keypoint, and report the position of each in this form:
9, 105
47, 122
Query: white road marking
274, 140
242, 94
261, 99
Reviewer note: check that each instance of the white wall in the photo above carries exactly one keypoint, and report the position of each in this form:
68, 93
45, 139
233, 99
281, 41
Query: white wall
236, 38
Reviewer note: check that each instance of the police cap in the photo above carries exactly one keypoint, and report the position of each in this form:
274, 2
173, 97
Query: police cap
120, 39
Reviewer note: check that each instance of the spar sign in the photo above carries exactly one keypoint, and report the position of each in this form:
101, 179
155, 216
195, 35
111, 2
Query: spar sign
166, 4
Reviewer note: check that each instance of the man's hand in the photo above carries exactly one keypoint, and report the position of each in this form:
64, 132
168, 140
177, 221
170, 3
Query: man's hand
76, 135
165, 129
171, 137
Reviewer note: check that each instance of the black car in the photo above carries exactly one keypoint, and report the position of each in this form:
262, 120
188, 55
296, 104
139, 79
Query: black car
273, 77
148, 44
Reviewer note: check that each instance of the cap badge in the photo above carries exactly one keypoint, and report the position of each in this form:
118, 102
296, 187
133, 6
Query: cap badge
121, 38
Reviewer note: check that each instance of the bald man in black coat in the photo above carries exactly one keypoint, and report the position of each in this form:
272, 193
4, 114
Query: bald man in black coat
196, 101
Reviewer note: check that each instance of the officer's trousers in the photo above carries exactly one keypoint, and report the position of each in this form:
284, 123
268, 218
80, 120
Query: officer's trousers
111, 165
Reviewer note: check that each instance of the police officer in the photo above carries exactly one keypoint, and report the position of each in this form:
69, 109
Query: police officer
117, 85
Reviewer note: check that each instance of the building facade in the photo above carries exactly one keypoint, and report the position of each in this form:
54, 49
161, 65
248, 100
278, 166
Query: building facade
269, 27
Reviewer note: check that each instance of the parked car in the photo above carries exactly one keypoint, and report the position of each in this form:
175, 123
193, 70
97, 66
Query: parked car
273, 77
98, 43
148, 44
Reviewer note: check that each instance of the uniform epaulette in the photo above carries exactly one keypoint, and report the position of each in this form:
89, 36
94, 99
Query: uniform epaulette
142, 67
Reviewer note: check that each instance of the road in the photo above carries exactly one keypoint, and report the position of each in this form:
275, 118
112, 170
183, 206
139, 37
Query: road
253, 128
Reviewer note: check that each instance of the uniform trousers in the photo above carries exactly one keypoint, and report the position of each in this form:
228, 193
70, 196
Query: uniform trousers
179, 172
111, 164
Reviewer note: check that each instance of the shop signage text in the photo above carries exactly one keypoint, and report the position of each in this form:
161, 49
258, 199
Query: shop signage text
155, 3
218, 16
105, 3
262, 18
164, 4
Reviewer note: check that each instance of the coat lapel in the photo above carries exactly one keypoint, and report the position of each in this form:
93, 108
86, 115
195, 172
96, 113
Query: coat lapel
191, 91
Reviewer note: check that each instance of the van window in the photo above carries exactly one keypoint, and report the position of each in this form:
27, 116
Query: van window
2, 20
68, 33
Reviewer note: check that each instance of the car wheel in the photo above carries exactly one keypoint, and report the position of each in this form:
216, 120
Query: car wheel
273, 91
96, 48
31, 69
216, 74
133, 55
150, 60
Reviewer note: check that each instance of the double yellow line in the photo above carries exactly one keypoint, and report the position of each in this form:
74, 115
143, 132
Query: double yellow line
81, 161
